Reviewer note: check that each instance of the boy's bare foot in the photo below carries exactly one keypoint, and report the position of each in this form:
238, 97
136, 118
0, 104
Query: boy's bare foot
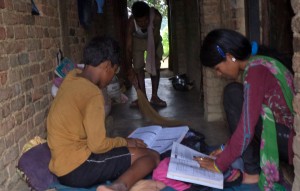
148, 185
250, 178
104, 188
113, 187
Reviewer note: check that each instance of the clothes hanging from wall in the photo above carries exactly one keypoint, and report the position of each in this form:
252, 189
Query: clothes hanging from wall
34, 9
85, 10
100, 4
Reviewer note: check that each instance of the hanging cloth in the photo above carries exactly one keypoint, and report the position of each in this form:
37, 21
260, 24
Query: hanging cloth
85, 8
150, 58
100, 4
34, 9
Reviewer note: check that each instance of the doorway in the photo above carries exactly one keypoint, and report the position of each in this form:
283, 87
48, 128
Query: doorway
274, 28
162, 7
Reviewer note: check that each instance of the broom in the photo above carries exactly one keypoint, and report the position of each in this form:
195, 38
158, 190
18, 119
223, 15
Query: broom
148, 111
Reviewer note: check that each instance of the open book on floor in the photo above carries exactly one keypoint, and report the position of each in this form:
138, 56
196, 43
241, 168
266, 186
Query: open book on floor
159, 138
182, 167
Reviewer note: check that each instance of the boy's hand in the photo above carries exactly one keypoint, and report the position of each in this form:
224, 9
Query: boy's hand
131, 142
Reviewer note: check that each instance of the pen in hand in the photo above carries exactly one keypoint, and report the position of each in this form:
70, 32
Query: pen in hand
204, 157
206, 162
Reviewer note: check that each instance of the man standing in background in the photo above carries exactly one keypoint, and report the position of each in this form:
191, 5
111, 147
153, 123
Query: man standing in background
143, 34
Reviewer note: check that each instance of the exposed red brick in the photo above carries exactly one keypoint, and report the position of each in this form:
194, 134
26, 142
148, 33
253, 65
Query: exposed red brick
296, 105
37, 94
10, 18
5, 93
296, 44
14, 47
4, 63
297, 84
2, 33
2, 4
10, 32
20, 32
3, 78
8, 4
47, 43
32, 57
34, 69
296, 61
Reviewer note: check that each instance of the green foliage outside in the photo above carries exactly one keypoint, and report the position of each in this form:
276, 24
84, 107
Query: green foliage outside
160, 5
165, 40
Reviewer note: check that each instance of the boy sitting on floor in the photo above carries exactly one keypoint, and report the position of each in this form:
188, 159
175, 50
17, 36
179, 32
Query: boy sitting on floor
81, 154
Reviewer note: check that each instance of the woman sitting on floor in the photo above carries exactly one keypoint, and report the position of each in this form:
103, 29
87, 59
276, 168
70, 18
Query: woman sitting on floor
259, 111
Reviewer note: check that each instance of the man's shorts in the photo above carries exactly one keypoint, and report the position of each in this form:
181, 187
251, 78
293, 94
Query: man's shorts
138, 53
99, 168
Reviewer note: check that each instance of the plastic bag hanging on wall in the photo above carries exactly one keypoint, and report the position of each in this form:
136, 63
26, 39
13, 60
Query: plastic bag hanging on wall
85, 10
34, 9
100, 4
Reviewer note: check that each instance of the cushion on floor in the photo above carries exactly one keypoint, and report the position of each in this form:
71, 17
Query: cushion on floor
33, 167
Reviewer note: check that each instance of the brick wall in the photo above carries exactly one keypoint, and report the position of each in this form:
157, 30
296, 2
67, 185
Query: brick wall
73, 35
296, 102
212, 86
27, 58
230, 14
233, 15
28, 47
218, 14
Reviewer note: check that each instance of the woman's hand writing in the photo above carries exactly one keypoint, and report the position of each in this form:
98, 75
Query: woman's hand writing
206, 163
216, 152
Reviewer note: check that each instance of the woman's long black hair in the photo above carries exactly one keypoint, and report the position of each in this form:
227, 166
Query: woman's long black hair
221, 41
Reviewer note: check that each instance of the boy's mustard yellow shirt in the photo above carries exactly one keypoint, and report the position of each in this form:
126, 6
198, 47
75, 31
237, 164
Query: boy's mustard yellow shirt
76, 125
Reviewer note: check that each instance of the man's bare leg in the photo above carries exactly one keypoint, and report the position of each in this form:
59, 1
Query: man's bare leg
140, 76
155, 83
143, 161
141, 81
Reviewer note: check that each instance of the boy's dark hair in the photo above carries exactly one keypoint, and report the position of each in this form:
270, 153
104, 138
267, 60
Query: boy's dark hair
100, 49
221, 41
140, 9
